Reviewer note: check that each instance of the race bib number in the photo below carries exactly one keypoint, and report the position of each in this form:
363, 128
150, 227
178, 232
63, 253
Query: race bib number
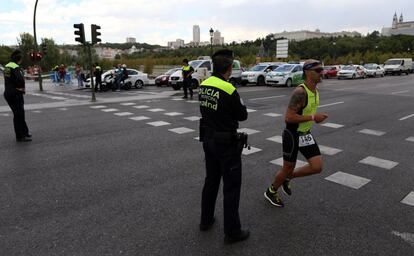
306, 140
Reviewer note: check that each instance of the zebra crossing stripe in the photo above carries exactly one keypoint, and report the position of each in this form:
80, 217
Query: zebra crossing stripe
348, 180
378, 162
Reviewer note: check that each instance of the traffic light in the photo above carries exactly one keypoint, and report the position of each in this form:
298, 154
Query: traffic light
80, 33
36, 56
95, 33
44, 48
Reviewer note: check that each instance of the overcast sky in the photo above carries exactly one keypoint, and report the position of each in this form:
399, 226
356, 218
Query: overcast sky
160, 21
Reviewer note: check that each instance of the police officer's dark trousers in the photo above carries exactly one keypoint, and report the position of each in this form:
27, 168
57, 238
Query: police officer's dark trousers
187, 86
222, 160
16, 103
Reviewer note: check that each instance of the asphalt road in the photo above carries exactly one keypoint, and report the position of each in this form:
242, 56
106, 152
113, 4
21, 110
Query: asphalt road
96, 182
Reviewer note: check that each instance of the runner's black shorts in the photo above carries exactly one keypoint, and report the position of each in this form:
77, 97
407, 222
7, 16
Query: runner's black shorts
291, 147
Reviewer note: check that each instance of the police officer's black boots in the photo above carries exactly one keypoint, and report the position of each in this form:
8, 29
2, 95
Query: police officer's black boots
237, 237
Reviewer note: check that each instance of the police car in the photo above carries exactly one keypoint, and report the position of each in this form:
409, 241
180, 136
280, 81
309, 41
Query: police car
288, 74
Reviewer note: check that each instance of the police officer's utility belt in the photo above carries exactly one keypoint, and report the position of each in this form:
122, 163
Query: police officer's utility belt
220, 136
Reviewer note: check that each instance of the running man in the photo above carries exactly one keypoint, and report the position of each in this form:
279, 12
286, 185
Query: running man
299, 117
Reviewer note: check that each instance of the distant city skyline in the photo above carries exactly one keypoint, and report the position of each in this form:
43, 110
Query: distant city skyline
237, 20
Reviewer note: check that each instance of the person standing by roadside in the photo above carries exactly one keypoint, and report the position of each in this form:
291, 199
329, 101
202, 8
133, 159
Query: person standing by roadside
78, 72
98, 77
221, 109
187, 71
13, 93
300, 116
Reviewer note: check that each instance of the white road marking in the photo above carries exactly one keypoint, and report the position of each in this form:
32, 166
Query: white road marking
279, 162
272, 114
270, 97
139, 118
328, 150
128, 104
98, 107
123, 114
409, 199
332, 125
372, 132
331, 104
406, 117
192, 101
277, 139
37, 111
192, 118
408, 237
348, 180
63, 109
181, 130
158, 123
173, 114
400, 92
252, 150
247, 130
177, 99
70, 94
411, 139
251, 110
378, 162
197, 138
4, 114
156, 109
141, 106
109, 110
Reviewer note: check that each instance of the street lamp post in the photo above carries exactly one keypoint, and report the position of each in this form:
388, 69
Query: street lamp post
334, 57
39, 75
211, 41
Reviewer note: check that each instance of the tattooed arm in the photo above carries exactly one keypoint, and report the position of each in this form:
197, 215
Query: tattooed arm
297, 102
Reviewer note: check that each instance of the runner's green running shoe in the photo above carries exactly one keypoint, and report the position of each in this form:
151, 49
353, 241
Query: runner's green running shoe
286, 187
273, 198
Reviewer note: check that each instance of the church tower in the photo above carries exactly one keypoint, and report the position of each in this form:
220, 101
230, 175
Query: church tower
394, 21
401, 18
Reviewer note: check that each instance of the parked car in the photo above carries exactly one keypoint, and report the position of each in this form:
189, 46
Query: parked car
165, 78
374, 70
352, 72
288, 75
398, 66
135, 78
330, 71
257, 74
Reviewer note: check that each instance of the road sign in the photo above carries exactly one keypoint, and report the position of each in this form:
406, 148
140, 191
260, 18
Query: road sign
282, 48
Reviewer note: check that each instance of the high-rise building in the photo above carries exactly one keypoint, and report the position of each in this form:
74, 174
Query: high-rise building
196, 34
217, 38
131, 40
177, 44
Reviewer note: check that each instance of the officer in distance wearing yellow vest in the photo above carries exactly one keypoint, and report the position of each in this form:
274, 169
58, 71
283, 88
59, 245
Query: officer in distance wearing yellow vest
297, 137
98, 77
221, 110
14, 88
187, 71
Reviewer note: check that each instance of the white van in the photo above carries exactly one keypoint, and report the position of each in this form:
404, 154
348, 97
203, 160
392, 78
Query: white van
203, 68
398, 66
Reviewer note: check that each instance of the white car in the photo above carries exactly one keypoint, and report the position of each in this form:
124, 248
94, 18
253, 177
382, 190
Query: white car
203, 68
352, 72
374, 70
135, 77
288, 75
257, 74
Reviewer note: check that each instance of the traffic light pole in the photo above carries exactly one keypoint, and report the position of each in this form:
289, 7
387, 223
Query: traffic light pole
91, 72
39, 75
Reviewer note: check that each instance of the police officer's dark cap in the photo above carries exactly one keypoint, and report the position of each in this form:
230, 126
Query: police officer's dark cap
16, 54
224, 53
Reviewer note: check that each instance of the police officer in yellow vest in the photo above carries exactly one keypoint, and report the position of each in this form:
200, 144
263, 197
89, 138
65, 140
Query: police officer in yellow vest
221, 110
300, 115
187, 71
13, 93
98, 77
